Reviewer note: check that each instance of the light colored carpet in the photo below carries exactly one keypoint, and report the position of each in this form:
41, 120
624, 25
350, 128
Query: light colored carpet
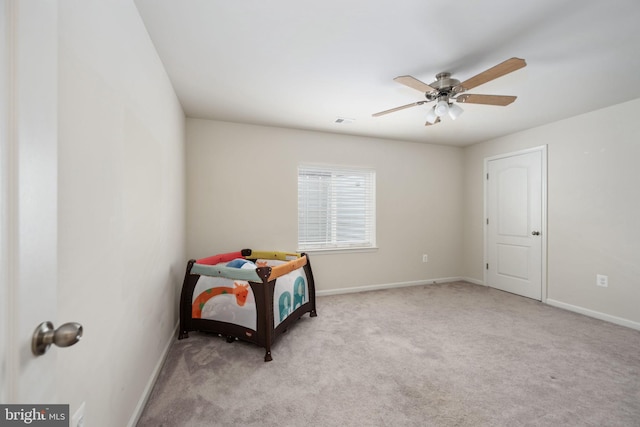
452, 354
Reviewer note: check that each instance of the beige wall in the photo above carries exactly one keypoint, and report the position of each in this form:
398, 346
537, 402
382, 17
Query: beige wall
121, 208
593, 209
242, 192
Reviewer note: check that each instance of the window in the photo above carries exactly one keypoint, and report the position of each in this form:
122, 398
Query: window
336, 208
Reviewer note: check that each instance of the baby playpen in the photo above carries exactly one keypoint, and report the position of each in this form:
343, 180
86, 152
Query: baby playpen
248, 295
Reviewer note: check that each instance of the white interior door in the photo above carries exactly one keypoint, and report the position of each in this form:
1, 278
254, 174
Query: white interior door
515, 189
28, 152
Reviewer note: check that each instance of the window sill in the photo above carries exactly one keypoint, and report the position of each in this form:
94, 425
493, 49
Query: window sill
337, 251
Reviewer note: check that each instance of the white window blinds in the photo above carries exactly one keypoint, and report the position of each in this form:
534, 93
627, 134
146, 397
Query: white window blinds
336, 208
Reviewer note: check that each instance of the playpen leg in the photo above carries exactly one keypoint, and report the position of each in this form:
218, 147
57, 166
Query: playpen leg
267, 356
313, 313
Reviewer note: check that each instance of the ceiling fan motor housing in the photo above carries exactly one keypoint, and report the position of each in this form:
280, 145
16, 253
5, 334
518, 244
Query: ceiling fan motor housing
444, 87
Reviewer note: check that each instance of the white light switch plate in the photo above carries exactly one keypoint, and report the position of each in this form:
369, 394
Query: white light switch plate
602, 280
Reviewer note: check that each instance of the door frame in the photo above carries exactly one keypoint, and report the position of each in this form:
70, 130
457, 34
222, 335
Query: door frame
543, 258
28, 181
6, 318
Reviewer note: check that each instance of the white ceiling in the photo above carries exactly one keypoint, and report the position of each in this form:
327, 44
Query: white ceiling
301, 64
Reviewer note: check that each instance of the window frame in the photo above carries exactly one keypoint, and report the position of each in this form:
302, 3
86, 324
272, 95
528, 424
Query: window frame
336, 181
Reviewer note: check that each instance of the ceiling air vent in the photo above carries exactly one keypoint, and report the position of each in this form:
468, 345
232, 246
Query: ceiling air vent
344, 120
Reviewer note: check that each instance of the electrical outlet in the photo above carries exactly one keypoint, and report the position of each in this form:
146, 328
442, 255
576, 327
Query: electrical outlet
602, 280
425, 258
78, 418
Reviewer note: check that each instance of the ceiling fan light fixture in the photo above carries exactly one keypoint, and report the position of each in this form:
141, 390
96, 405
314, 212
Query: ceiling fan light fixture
431, 115
447, 92
441, 108
455, 111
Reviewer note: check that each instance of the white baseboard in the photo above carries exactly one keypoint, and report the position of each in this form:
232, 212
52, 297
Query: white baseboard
474, 281
596, 314
137, 413
386, 286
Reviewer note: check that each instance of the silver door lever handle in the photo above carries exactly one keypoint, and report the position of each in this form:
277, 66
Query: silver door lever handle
44, 335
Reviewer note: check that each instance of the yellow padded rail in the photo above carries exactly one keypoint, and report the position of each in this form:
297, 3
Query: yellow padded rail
280, 256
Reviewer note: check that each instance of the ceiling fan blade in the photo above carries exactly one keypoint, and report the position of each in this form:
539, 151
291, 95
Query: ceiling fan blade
470, 98
393, 110
502, 100
434, 123
492, 73
414, 83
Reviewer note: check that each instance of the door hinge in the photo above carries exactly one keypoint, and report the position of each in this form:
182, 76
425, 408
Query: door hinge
487, 177
487, 266
487, 221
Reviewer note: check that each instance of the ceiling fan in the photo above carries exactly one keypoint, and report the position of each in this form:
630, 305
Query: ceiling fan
445, 90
